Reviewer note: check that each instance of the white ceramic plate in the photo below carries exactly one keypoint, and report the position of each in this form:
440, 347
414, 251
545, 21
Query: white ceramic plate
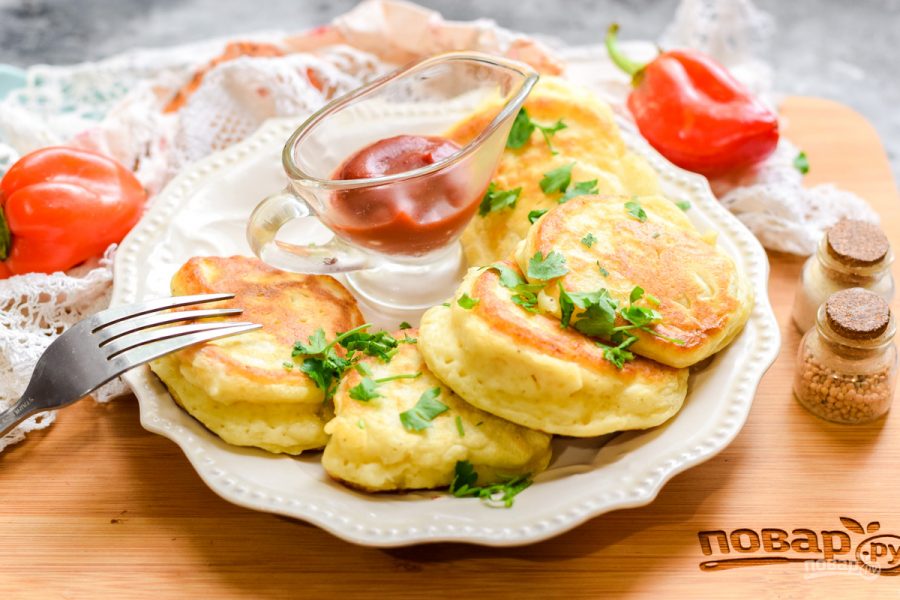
203, 212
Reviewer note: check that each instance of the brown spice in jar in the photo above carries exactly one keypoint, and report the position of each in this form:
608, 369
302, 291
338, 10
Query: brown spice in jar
842, 397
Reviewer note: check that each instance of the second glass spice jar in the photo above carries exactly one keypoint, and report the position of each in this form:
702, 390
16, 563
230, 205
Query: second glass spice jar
851, 254
847, 364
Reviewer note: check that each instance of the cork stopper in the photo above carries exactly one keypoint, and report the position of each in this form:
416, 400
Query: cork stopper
857, 314
857, 243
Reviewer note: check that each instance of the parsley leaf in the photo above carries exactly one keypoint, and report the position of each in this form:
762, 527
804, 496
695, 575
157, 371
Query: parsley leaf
459, 426
549, 267
636, 294
521, 130
467, 302
325, 367
619, 355
509, 278
801, 163
380, 344
557, 180
524, 293
495, 199
581, 188
497, 495
603, 271
684, 204
523, 127
588, 240
534, 215
427, 408
405, 325
365, 390
634, 209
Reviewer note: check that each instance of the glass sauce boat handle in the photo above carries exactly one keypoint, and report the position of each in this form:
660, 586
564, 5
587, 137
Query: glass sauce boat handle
334, 256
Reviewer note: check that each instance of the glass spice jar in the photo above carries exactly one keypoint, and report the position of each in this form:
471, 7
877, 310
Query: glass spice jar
847, 364
851, 254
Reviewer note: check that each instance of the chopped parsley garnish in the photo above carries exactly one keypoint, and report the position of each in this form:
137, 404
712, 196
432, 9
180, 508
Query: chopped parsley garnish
367, 388
495, 199
419, 417
801, 163
523, 127
405, 325
287, 365
534, 215
557, 180
549, 267
603, 271
325, 367
619, 355
459, 426
588, 240
497, 495
634, 209
683, 204
581, 188
380, 344
524, 293
598, 319
467, 302
361, 424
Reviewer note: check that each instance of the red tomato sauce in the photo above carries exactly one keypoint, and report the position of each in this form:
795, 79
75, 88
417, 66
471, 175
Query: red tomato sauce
411, 217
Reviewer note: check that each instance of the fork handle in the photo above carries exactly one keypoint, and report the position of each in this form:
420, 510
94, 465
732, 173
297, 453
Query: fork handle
17, 413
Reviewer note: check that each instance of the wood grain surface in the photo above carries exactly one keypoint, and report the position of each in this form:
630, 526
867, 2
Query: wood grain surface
96, 507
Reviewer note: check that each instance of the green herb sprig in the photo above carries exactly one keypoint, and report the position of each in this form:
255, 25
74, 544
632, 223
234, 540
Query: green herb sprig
524, 294
495, 199
367, 388
523, 127
419, 417
325, 367
599, 316
498, 495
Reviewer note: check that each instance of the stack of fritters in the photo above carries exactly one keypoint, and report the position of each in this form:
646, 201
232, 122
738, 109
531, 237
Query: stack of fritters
524, 367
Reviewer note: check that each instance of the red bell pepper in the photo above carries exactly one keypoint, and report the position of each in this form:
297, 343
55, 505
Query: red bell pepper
691, 109
61, 206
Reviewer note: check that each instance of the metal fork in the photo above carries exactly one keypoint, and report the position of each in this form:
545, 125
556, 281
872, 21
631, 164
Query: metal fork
102, 347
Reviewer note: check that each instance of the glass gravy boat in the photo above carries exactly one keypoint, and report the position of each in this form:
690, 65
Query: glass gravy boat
396, 259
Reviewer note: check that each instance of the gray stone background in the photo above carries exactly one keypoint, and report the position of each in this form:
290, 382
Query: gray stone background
840, 49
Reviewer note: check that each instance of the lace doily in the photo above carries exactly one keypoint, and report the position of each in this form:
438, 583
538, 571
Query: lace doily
116, 106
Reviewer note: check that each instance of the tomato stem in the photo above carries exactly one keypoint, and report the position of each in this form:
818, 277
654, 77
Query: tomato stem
633, 68
5, 236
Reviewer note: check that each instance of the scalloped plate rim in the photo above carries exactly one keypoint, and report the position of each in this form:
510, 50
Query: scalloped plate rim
764, 352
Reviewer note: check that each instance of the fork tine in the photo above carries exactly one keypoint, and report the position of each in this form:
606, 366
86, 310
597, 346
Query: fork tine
127, 342
116, 330
139, 355
120, 313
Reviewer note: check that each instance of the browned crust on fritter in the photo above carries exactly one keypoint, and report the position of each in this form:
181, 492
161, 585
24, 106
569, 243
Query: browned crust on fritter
664, 277
544, 334
267, 296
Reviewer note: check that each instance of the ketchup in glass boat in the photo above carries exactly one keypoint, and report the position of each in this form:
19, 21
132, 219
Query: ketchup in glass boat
411, 217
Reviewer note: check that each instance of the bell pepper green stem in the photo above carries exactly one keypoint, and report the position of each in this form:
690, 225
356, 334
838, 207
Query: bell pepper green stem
5, 236
635, 69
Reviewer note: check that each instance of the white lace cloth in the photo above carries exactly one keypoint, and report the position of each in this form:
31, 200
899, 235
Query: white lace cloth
115, 106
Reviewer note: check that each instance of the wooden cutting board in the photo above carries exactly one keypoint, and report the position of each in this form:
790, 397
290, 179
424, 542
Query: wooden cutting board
97, 507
